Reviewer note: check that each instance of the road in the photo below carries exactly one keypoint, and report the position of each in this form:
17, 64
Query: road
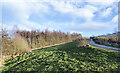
103, 46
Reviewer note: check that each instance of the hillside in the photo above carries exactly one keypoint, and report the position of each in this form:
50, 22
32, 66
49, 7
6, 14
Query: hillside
66, 57
108, 40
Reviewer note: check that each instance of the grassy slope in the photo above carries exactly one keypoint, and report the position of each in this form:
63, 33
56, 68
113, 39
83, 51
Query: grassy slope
113, 36
66, 57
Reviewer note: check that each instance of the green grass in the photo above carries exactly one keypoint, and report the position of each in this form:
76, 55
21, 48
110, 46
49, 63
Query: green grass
108, 45
65, 57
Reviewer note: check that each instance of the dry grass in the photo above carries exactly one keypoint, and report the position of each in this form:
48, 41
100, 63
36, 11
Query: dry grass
20, 44
83, 42
111, 40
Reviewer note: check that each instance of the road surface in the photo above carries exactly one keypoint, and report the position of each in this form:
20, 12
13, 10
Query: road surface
103, 46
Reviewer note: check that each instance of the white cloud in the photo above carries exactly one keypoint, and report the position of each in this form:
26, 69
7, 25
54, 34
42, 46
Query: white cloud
1, 26
108, 1
92, 26
34, 25
85, 12
92, 8
107, 12
23, 9
115, 19
18, 1
17, 10
22, 27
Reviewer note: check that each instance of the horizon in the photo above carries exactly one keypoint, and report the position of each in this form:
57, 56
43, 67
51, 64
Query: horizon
87, 18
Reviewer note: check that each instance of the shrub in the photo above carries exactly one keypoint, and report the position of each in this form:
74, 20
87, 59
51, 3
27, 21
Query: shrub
20, 43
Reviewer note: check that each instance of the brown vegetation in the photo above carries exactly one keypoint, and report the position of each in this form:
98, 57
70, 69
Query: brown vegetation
112, 40
39, 39
24, 41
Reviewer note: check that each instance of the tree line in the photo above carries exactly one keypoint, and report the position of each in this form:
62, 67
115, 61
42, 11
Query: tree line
38, 38
23, 41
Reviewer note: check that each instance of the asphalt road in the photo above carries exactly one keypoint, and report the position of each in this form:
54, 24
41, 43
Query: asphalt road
103, 46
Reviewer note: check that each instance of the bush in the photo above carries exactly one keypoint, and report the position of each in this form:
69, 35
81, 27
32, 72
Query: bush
20, 44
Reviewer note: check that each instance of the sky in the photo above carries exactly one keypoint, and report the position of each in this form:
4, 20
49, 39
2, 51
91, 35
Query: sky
88, 17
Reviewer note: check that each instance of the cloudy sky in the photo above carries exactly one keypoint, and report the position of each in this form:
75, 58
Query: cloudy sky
87, 17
